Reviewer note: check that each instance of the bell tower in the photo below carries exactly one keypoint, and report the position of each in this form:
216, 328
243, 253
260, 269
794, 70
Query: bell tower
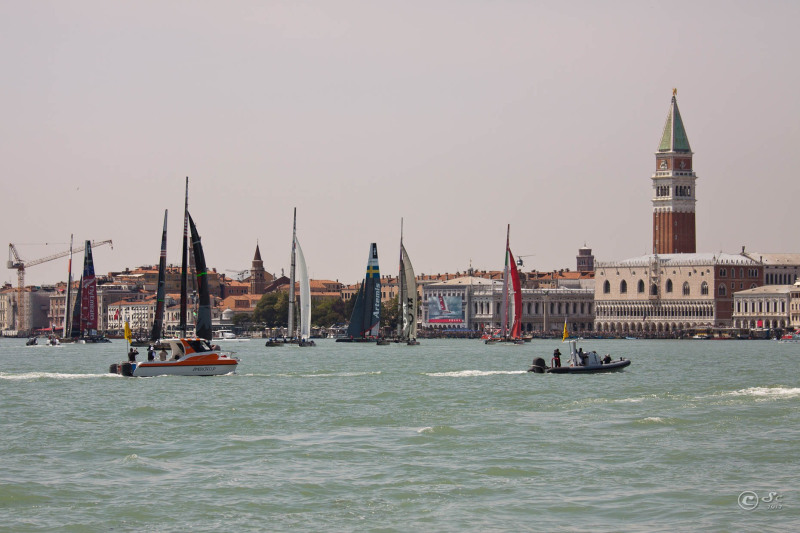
674, 189
258, 276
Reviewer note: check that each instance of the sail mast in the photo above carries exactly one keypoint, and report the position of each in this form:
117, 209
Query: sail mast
401, 297
184, 261
67, 310
504, 313
291, 277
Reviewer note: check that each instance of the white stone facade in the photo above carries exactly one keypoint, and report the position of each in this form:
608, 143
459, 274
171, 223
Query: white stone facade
766, 307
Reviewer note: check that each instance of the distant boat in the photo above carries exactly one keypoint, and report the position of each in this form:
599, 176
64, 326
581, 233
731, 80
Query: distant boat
510, 333
580, 362
183, 356
298, 263
85, 312
365, 320
406, 297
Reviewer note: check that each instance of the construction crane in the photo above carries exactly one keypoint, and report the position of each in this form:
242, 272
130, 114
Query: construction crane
16, 262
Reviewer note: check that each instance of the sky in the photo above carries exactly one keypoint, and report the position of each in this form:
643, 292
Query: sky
458, 116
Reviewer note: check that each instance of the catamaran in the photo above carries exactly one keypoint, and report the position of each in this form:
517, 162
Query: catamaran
365, 320
298, 266
83, 328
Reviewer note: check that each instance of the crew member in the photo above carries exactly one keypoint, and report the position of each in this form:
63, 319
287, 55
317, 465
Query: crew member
556, 362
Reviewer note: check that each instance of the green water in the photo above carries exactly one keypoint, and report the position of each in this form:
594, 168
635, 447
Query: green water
446, 436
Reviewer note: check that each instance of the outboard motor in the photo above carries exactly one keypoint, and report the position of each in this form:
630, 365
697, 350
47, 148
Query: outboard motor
113, 369
127, 369
538, 367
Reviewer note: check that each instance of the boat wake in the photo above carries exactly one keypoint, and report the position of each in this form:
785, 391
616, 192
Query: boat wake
767, 392
472, 373
49, 375
438, 430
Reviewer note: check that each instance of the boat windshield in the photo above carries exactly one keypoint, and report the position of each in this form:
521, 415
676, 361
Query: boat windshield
198, 345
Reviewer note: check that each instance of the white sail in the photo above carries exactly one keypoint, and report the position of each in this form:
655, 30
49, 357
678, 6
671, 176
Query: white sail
408, 296
305, 294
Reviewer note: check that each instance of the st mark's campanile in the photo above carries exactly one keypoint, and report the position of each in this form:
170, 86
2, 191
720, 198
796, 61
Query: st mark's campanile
674, 189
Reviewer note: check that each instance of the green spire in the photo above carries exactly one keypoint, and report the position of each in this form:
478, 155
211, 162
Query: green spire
674, 138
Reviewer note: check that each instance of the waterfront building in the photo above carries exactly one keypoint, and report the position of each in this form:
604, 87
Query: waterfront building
794, 306
666, 294
146, 278
244, 303
472, 303
765, 307
779, 269
7, 306
674, 189
36, 306
139, 313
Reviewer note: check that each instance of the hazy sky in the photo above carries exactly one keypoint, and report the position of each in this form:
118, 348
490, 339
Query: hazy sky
460, 116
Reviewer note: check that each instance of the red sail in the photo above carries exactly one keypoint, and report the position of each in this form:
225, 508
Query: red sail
516, 328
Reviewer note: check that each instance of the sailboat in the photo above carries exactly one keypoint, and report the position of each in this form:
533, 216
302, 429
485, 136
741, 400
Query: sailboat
366, 318
183, 356
83, 327
298, 265
512, 334
406, 297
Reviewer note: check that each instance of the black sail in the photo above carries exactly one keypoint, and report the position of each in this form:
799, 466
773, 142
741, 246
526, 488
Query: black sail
355, 327
158, 321
75, 330
203, 329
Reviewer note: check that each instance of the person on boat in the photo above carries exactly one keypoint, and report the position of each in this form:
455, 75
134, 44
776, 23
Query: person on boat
606, 359
132, 354
582, 356
162, 355
556, 361
151, 353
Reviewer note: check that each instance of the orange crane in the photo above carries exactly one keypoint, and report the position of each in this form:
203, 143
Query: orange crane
16, 262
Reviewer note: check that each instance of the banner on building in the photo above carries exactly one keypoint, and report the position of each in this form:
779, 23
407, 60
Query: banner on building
445, 310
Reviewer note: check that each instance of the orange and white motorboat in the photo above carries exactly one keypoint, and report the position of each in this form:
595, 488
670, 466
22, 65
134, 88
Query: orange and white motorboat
180, 357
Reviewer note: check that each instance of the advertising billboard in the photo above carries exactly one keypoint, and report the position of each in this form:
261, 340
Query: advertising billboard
445, 310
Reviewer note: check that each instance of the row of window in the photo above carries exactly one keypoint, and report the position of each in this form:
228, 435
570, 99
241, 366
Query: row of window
751, 272
668, 287
781, 279
771, 306
661, 311
680, 190
533, 308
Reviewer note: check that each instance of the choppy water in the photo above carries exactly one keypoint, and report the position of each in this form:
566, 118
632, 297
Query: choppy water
447, 436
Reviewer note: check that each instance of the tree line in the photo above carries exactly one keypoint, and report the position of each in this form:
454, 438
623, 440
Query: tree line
273, 311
